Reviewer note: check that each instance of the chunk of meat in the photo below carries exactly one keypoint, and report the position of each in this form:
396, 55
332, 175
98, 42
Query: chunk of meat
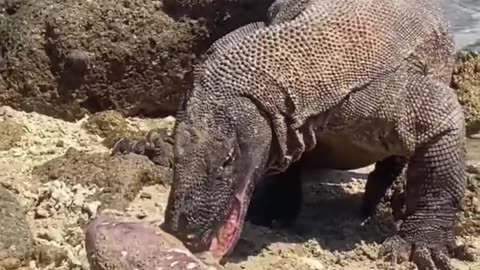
115, 243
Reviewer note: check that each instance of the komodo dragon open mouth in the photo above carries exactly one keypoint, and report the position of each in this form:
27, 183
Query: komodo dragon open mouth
228, 233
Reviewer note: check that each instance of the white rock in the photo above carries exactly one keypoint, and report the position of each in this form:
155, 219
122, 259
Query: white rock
313, 263
91, 208
51, 235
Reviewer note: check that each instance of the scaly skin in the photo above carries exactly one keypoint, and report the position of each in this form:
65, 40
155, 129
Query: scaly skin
335, 84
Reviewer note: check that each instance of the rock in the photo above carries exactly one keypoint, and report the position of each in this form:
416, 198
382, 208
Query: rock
53, 197
112, 126
313, 263
466, 81
118, 178
91, 208
16, 239
49, 254
74, 236
476, 205
10, 133
67, 58
62, 59
469, 215
42, 213
220, 16
121, 243
51, 234
473, 167
10, 263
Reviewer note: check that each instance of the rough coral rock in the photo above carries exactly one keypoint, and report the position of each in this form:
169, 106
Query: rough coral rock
110, 125
220, 17
16, 239
64, 58
118, 178
10, 133
67, 58
470, 214
466, 80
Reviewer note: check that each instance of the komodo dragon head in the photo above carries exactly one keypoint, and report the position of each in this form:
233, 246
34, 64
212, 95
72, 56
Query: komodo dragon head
221, 149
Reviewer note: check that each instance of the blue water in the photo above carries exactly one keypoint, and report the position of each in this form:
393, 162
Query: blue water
464, 17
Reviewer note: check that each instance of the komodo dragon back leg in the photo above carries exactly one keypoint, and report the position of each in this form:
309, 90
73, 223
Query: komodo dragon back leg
432, 126
277, 200
157, 146
380, 180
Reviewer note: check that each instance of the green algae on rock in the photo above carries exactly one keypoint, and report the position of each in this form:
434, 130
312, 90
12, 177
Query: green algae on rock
118, 178
466, 81
16, 239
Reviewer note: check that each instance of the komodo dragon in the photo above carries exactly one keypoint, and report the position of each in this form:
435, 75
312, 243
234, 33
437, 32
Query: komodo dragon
335, 84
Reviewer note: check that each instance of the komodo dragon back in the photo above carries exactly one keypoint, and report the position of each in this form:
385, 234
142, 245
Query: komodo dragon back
304, 63
332, 46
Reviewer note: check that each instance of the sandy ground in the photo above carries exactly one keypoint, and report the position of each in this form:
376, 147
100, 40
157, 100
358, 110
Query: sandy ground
328, 235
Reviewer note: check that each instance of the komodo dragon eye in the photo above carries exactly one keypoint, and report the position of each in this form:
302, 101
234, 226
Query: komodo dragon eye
229, 159
225, 170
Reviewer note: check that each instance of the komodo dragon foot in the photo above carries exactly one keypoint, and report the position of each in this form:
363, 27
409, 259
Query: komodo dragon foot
157, 146
397, 249
434, 189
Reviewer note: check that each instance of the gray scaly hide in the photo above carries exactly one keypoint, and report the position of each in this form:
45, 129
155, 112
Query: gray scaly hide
345, 83
301, 68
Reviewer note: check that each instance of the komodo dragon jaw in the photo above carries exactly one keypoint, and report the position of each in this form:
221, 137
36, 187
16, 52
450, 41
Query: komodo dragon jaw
215, 169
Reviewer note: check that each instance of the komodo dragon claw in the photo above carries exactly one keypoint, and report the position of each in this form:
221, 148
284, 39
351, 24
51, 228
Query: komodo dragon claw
157, 146
396, 249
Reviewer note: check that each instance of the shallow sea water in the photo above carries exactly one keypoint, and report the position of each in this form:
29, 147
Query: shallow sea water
464, 18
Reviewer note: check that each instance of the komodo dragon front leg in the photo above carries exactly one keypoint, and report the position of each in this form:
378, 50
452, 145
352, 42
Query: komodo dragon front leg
435, 183
431, 125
